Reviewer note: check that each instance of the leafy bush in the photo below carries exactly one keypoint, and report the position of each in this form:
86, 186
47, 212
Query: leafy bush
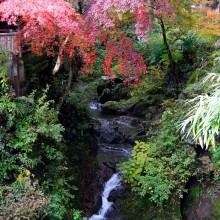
27, 124
151, 83
161, 168
33, 147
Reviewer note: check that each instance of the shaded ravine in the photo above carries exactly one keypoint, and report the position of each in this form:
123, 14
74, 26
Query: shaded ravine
113, 135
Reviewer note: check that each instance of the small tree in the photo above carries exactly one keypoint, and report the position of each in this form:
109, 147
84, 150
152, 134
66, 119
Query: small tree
51, 27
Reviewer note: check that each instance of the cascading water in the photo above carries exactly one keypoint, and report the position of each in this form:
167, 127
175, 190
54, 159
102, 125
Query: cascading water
110, 185
113, 135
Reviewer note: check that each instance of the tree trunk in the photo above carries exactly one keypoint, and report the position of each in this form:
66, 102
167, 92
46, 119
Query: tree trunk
218, 8
151, 10
66, 89
59, 62
172, 64
80, 7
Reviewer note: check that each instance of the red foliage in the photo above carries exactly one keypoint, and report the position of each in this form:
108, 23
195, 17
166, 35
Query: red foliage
46, 24
103, 15
99, 13
121, 53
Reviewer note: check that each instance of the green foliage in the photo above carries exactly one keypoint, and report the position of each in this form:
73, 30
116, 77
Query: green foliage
215, 162
153, 49
32, 143
3, 72
36, 71
151, 83
202, 121
97, 67
160, 168
74, 98
195, 192
27, 124
61, 196
193, 78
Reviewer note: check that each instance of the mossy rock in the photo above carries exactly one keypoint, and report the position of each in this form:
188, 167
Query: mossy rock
120, 91
118, 108
207, 206
134, 207
148, 106
103, 84
109, 91
113, 108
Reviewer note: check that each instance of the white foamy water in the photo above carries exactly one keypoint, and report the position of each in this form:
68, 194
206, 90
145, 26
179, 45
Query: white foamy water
94, 105
110, 185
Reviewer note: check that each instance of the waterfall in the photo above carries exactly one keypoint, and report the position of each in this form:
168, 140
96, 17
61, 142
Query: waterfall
113, 135
110, 185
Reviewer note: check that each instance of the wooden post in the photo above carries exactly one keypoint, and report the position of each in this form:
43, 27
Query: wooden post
15, 72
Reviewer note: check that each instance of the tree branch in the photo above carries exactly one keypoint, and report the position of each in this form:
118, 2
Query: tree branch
59, 62
66, 89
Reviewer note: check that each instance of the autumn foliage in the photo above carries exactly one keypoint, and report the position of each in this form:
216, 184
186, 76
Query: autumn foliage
47, 24
44, 25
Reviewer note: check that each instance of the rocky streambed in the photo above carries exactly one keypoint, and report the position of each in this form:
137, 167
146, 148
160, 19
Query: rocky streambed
115, 136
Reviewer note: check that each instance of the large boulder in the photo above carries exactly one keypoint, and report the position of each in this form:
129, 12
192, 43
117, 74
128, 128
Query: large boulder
105, 96
206, 206
114, 108
148, 107
112, 91
109, 134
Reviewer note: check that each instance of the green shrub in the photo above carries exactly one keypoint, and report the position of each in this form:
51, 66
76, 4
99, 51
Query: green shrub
160, 169
27, 124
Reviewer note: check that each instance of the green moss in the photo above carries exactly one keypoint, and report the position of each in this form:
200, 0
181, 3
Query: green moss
115, 107
141, 208
216, 209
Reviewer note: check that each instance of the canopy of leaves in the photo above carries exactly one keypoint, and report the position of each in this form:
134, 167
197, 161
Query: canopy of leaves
104, 12
45, 25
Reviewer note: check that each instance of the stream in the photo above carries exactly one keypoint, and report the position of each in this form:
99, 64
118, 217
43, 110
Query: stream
110, 185
114, 139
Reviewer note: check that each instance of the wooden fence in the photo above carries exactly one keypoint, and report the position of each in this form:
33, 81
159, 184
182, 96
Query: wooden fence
7, 42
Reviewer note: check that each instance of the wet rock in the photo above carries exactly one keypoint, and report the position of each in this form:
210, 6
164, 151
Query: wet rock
109, 165
115, 195
104, 173
138, 135
114, 214
97, 204
114, 108
206, 206
110, 134
109, 91
105, 96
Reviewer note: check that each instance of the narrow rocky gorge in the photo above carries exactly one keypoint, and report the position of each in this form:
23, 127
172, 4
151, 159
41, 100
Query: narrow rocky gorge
114, 136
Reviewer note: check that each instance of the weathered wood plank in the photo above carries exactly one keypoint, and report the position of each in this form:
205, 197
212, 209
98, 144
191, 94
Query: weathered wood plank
7, 42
